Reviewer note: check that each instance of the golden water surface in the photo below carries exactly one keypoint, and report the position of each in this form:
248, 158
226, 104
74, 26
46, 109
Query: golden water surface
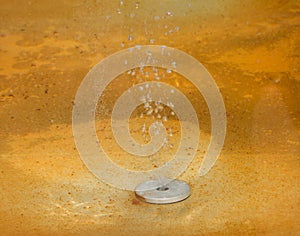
251, 48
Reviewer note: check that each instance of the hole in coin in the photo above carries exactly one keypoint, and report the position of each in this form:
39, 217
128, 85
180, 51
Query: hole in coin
163, 188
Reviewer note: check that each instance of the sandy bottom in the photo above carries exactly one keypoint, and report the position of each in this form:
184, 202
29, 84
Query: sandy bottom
252, 51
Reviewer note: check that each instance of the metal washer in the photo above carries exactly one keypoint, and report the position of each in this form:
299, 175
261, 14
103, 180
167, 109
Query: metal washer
153, 191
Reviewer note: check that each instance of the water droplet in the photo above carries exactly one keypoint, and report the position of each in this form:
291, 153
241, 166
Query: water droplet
152, 41
146, 105
171, 105
149, 99
172, 113
166, 140
137, 5
143, 99
141, 88
174, 64
169, 71
144, 128
132, 15
149, 112
169, 13
119, 11
172, 91
130, 38
149, 53
142, 70
165, 119
170, 132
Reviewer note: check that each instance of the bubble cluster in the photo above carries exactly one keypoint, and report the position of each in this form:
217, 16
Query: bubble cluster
159, 102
